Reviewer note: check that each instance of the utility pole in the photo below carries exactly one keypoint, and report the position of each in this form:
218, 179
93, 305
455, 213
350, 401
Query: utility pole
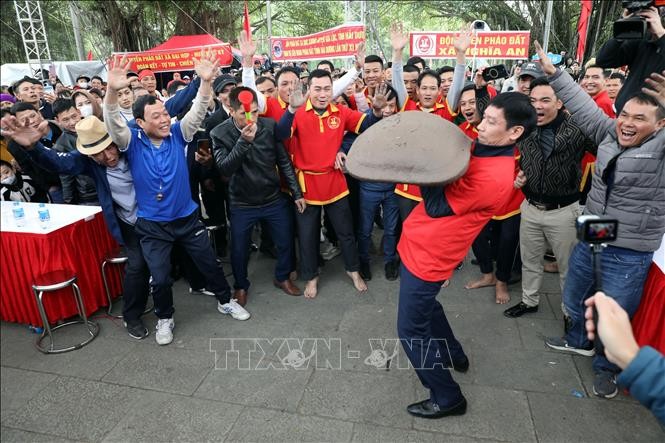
80, 53
548, 24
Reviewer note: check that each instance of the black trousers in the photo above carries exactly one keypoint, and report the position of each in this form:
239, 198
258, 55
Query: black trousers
498, 240
136, 287
157, 240
309, 226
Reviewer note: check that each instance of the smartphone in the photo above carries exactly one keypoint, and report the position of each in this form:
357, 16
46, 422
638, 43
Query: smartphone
203, 146
495, 72
51, 70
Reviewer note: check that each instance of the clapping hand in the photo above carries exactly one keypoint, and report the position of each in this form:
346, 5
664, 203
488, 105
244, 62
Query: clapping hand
206, 66
118, 67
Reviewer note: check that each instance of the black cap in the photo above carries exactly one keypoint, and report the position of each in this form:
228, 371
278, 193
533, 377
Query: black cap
83, 76
131, 74
532, 69
221, 81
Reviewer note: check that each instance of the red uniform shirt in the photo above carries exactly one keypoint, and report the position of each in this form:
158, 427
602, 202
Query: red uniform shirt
431, 248
317, 139
589, 160
442, 110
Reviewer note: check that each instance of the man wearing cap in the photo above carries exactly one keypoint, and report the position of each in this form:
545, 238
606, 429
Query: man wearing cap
98, 157
26, 91
529, 72
549, 178
222, 87
167, 215
149, 82
82, 82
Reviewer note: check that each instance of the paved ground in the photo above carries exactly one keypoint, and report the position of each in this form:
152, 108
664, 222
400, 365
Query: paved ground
120, 389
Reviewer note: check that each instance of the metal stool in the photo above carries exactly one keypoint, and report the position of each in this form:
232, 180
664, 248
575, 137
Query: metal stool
116, 257
54, 281
211, 235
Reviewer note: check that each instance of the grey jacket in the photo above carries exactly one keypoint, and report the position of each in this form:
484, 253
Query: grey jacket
637, 197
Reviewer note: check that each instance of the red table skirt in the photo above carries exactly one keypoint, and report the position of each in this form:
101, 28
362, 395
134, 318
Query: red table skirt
79, 247
649, 320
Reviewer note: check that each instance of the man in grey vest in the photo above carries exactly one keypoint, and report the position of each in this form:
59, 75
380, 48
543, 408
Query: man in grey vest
628, 185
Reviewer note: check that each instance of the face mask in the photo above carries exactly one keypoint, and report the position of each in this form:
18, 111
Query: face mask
9, 180
83, 85
86, 111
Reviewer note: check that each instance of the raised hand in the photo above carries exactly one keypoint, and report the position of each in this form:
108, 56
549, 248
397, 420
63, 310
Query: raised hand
656, 87
463, 39
478, 80
398, 38
246, 45
24, 135
379, 100
297, 98
545, 62
360, 56
117, 75
206, 66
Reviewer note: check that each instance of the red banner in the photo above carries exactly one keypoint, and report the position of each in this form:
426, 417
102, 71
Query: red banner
486, 44
175, 60
340, 41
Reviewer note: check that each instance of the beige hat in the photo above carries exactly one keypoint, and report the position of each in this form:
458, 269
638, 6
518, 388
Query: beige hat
93, 137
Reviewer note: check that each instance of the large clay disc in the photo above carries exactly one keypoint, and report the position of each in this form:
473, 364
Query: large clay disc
410, 147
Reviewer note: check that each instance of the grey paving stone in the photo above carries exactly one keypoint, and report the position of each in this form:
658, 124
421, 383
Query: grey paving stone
18, 387
533, 331
541, 371
492, 413
163, 368
355, 396
16, 344
18, 435
262, 385
92, 361
75, 409
479, 330
566, 418
165, 417
269, 425
380, 434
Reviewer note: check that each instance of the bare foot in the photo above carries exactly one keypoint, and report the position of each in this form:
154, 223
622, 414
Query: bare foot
551, 266
484, 281
502, 294
358, 281
445, 283
311, 288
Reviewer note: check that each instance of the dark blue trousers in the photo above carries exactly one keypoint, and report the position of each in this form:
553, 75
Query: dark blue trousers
278, 219
135, 284
427, 338
157, 240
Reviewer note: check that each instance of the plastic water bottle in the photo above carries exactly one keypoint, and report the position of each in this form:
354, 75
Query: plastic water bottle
44, 216
19, 214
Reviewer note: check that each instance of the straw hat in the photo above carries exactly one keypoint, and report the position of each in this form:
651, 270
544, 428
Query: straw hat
93, 137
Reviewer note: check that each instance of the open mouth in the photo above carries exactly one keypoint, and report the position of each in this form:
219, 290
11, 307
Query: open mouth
469, 115
628, 134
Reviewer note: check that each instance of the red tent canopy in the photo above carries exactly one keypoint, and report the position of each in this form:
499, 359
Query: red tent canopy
178, 42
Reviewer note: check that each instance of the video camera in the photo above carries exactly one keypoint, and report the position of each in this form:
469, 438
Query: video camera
634, 27
595, 230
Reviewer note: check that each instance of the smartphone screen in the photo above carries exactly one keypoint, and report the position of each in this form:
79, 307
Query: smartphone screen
203, 146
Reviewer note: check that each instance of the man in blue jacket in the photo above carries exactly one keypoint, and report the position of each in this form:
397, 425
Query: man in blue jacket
98, 157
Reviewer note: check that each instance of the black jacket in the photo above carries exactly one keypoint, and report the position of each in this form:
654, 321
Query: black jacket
252, 168
642, 57
43, 178
75, 189
555, 179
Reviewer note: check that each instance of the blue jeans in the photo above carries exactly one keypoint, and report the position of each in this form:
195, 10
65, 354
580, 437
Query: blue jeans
427, 338
369, 202
624, 272
278, 218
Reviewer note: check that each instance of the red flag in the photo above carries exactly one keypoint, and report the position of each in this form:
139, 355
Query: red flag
582, 28
89, 58
245, 23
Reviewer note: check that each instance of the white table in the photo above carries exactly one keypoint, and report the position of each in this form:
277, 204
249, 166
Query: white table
61, 216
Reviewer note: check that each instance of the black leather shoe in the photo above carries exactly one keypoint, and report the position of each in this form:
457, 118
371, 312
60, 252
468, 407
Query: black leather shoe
427, 409
365, 271
391, 271
519, 310
461, 365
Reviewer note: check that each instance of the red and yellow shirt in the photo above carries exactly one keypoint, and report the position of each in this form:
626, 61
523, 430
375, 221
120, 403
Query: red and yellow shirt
430, 247
412, 192
316, 141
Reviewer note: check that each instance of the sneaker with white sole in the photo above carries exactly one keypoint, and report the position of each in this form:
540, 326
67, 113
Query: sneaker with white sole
605, 385
561, 344
233, 309
202, 291
164, 331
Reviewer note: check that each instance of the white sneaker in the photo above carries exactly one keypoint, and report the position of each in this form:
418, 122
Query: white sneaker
233, 309
164, 331
202, 291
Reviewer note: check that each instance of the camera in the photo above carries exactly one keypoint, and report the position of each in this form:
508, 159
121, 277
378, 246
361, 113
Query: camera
494, 72
634, 27
595, 230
